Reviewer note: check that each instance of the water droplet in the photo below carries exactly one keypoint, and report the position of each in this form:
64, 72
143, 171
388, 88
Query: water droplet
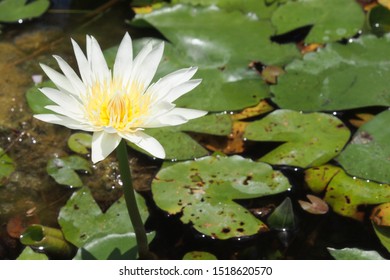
368, 181
245, 139
20, 21
354, 177
40, 248
334, 113
173, 159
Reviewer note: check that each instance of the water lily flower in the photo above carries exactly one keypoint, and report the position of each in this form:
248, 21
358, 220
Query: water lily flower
119, 103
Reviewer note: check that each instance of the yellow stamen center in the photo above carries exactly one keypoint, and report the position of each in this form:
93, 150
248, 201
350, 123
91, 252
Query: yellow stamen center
111, 105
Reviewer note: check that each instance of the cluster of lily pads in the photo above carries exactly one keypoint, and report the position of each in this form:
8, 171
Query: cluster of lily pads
228, 40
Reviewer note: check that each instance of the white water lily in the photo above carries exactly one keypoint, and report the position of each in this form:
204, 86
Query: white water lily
120, 103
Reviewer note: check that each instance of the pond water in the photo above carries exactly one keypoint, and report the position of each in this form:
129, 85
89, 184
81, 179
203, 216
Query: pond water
31, 196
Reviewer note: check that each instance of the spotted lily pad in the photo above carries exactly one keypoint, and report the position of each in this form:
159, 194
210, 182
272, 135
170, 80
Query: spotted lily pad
14, 10
381, 222
331, 20
204, 192
338, 77
82, 221
368, 154
354, 254
63, 170
344, 193
308, 139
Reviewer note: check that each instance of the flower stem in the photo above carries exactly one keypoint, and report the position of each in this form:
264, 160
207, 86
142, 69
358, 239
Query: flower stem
131, 203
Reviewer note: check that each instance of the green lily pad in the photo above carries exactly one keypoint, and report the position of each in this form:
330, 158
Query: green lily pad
204, 192
308, 139
222, 88
29, 254
6, 166
370, 149
111, 247
345, 193
338, 77
179, 145
14, 10
63, 170
37, 101
354, 254
82, 221
199, 255
215, 37
80, 142
332, 20
262, 8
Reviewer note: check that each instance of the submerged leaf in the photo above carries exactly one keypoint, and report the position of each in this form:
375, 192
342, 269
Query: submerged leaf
308, 139
204, 191
6, 166
283, 217
63, 170
80, 142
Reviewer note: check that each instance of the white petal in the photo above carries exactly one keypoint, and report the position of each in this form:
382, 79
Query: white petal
103, 144
182, 89
137, 65
183, 113
124, 59
58, 79
73, 78
62, 111
83, 64
165, 84
145, 142
147, 69
98, 63
64, 100
64, 121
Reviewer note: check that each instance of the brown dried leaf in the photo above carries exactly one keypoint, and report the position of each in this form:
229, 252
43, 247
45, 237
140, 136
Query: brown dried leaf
315, 206
260, 109
270, 74
361, 119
